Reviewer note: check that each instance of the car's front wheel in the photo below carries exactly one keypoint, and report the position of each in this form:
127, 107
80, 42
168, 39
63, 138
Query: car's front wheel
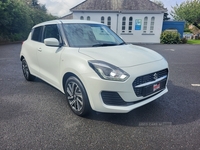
77, 97
28, 76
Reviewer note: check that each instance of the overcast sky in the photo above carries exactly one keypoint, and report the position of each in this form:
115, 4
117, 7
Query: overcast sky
61, 7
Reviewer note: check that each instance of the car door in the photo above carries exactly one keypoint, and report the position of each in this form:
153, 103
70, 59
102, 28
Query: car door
49, 56
31, 46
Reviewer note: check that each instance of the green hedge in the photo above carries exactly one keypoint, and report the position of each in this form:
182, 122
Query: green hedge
170, 37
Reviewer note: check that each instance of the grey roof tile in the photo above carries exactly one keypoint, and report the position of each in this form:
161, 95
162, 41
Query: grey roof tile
69, 16
118, 5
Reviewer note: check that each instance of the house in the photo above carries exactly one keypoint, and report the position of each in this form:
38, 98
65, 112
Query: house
136, 21
69, 16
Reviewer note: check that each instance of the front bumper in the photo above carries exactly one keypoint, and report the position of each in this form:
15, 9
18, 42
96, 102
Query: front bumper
121, 96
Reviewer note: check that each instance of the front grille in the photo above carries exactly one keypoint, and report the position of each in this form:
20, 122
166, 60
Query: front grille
113, 98
148, 89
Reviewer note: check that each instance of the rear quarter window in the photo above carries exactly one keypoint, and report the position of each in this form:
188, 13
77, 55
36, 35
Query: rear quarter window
37, 34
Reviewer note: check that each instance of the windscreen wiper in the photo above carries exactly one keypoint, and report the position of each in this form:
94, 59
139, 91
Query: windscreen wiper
104, 44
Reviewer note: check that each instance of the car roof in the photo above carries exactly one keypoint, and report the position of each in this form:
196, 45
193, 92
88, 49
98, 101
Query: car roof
65, 21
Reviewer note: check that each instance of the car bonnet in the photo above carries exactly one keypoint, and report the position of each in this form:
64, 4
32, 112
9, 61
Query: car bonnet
123, 55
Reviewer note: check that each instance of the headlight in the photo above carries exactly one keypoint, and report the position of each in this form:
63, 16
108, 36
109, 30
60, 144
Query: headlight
107, 71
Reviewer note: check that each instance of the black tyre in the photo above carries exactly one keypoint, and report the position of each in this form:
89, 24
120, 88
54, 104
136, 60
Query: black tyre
77, 97
28, 76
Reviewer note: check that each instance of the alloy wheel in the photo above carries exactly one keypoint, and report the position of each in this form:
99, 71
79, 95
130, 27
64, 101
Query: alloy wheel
74, 96
25, 69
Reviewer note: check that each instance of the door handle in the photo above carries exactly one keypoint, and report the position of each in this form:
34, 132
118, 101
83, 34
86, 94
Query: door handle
40, 49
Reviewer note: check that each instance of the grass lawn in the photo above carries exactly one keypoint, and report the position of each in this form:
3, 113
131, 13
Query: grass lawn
193, 42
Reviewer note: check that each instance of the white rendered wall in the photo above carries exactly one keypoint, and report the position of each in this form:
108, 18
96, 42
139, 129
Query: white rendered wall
135, 36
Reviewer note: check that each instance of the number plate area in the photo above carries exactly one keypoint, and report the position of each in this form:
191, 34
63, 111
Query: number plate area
153, 88
156, 87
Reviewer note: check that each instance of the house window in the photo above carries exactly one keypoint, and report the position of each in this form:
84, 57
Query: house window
145, 24
109, 22
130, 24
82, 18
123, 24
152, 24
102, 19
88, 18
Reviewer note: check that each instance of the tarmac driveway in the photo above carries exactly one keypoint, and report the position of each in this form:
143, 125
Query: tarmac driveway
34, 115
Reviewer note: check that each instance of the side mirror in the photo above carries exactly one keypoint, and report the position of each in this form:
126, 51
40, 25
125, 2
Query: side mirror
51, 42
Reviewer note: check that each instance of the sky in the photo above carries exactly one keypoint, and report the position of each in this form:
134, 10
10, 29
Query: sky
61, 7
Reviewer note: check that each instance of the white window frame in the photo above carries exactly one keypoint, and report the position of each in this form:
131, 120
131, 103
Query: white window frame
109, 22
130, 27
123, 24
152, 24
145, 25
103, 19
81, 18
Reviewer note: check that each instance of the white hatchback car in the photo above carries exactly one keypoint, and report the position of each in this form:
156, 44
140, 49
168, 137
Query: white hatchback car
93, 66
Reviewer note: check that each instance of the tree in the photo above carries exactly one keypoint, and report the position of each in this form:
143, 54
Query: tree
36, 4
166, 17
188, 11
17, 17
160, 3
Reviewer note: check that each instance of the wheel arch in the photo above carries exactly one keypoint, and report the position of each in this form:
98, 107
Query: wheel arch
22, 57
65, 77
69, 74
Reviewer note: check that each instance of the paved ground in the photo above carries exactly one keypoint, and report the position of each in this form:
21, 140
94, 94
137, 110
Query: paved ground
34, 115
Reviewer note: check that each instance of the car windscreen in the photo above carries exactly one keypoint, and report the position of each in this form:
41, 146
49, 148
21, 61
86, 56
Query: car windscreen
90, 35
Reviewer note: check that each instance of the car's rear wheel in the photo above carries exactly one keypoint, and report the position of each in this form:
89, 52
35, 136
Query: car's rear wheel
28, 76
77, 97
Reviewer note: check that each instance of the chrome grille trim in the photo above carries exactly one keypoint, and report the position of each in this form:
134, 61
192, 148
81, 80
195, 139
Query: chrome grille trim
143, 86
149, 83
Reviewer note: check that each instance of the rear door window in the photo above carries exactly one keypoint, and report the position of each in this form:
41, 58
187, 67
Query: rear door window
37, 32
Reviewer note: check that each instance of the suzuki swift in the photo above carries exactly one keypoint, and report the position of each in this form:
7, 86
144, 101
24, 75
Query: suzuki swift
93, 66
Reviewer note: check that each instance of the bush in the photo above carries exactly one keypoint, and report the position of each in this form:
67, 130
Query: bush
4, 39
184, 40
16, 37
170, 37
